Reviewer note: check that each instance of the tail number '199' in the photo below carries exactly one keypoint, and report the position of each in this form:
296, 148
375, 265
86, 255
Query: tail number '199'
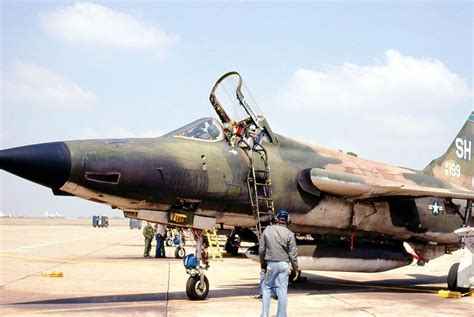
452, 169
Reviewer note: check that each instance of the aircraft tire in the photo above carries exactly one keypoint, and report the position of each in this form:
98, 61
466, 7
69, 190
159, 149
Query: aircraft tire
179, 253
168, 242
452, 280
195, 290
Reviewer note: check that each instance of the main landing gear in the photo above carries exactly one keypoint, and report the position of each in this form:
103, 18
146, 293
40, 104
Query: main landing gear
176, 239
179, 252
232, 245
197, 286
461, 275
453, 280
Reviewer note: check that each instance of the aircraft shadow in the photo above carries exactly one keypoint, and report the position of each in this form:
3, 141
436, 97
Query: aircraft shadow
315, 284
319, 283
126, 298
145, 297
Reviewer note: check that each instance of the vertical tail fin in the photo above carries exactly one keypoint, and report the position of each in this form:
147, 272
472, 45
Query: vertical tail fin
457, 164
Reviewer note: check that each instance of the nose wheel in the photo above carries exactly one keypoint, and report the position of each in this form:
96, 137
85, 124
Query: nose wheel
197, 288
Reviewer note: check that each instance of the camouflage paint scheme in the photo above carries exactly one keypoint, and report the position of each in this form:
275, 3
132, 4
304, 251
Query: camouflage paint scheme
157, 173
336, 197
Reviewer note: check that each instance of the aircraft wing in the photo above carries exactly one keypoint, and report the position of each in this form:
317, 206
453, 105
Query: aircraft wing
362, 187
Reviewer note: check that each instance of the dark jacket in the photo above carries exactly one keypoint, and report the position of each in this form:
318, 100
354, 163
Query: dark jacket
278, 243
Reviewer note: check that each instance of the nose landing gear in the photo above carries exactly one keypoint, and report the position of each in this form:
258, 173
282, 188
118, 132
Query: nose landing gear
197, 286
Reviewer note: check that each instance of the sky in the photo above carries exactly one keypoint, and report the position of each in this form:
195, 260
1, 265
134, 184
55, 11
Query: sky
390, 81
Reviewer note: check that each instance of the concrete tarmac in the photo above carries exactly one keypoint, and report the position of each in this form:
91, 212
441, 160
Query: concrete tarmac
105, 274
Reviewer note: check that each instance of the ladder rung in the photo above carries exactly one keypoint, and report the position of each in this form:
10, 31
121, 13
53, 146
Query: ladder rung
268, 212
258, 184
264, 198
262, 171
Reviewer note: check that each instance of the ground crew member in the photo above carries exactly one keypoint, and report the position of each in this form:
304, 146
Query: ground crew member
160, 241
277, 248
148, 233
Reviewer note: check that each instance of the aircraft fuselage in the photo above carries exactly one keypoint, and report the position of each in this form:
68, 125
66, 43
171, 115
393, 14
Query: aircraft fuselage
209, 179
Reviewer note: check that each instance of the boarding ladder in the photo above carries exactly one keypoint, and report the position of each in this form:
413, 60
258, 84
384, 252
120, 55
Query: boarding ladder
259, 185
214, 244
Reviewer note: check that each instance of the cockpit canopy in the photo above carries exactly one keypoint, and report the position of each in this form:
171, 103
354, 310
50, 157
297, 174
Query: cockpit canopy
205, 129
236, 107
242, 123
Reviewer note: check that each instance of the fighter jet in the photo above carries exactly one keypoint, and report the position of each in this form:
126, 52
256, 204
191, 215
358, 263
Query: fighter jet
349, 213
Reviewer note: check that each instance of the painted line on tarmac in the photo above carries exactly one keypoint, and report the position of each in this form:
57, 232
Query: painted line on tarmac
150, 264
67, 310
60, 242
144, 266
64, 261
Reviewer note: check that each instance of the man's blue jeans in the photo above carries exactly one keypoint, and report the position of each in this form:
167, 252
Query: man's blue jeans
277, 272
262, 285
159, 253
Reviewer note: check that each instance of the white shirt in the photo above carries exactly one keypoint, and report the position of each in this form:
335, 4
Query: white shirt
161, 229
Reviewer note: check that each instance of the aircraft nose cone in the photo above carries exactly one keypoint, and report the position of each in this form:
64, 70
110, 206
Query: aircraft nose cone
48, 164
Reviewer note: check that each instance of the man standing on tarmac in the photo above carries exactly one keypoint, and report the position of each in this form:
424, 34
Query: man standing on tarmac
160, 241
149, 234
277, 248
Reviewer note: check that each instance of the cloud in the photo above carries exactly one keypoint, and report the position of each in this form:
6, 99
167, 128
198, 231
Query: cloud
403, 111
28, 84
403, 82
89, 24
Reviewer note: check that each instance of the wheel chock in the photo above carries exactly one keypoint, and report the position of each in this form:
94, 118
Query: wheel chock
52, 274
449, 294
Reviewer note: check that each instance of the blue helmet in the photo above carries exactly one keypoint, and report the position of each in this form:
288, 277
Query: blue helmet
283, 215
